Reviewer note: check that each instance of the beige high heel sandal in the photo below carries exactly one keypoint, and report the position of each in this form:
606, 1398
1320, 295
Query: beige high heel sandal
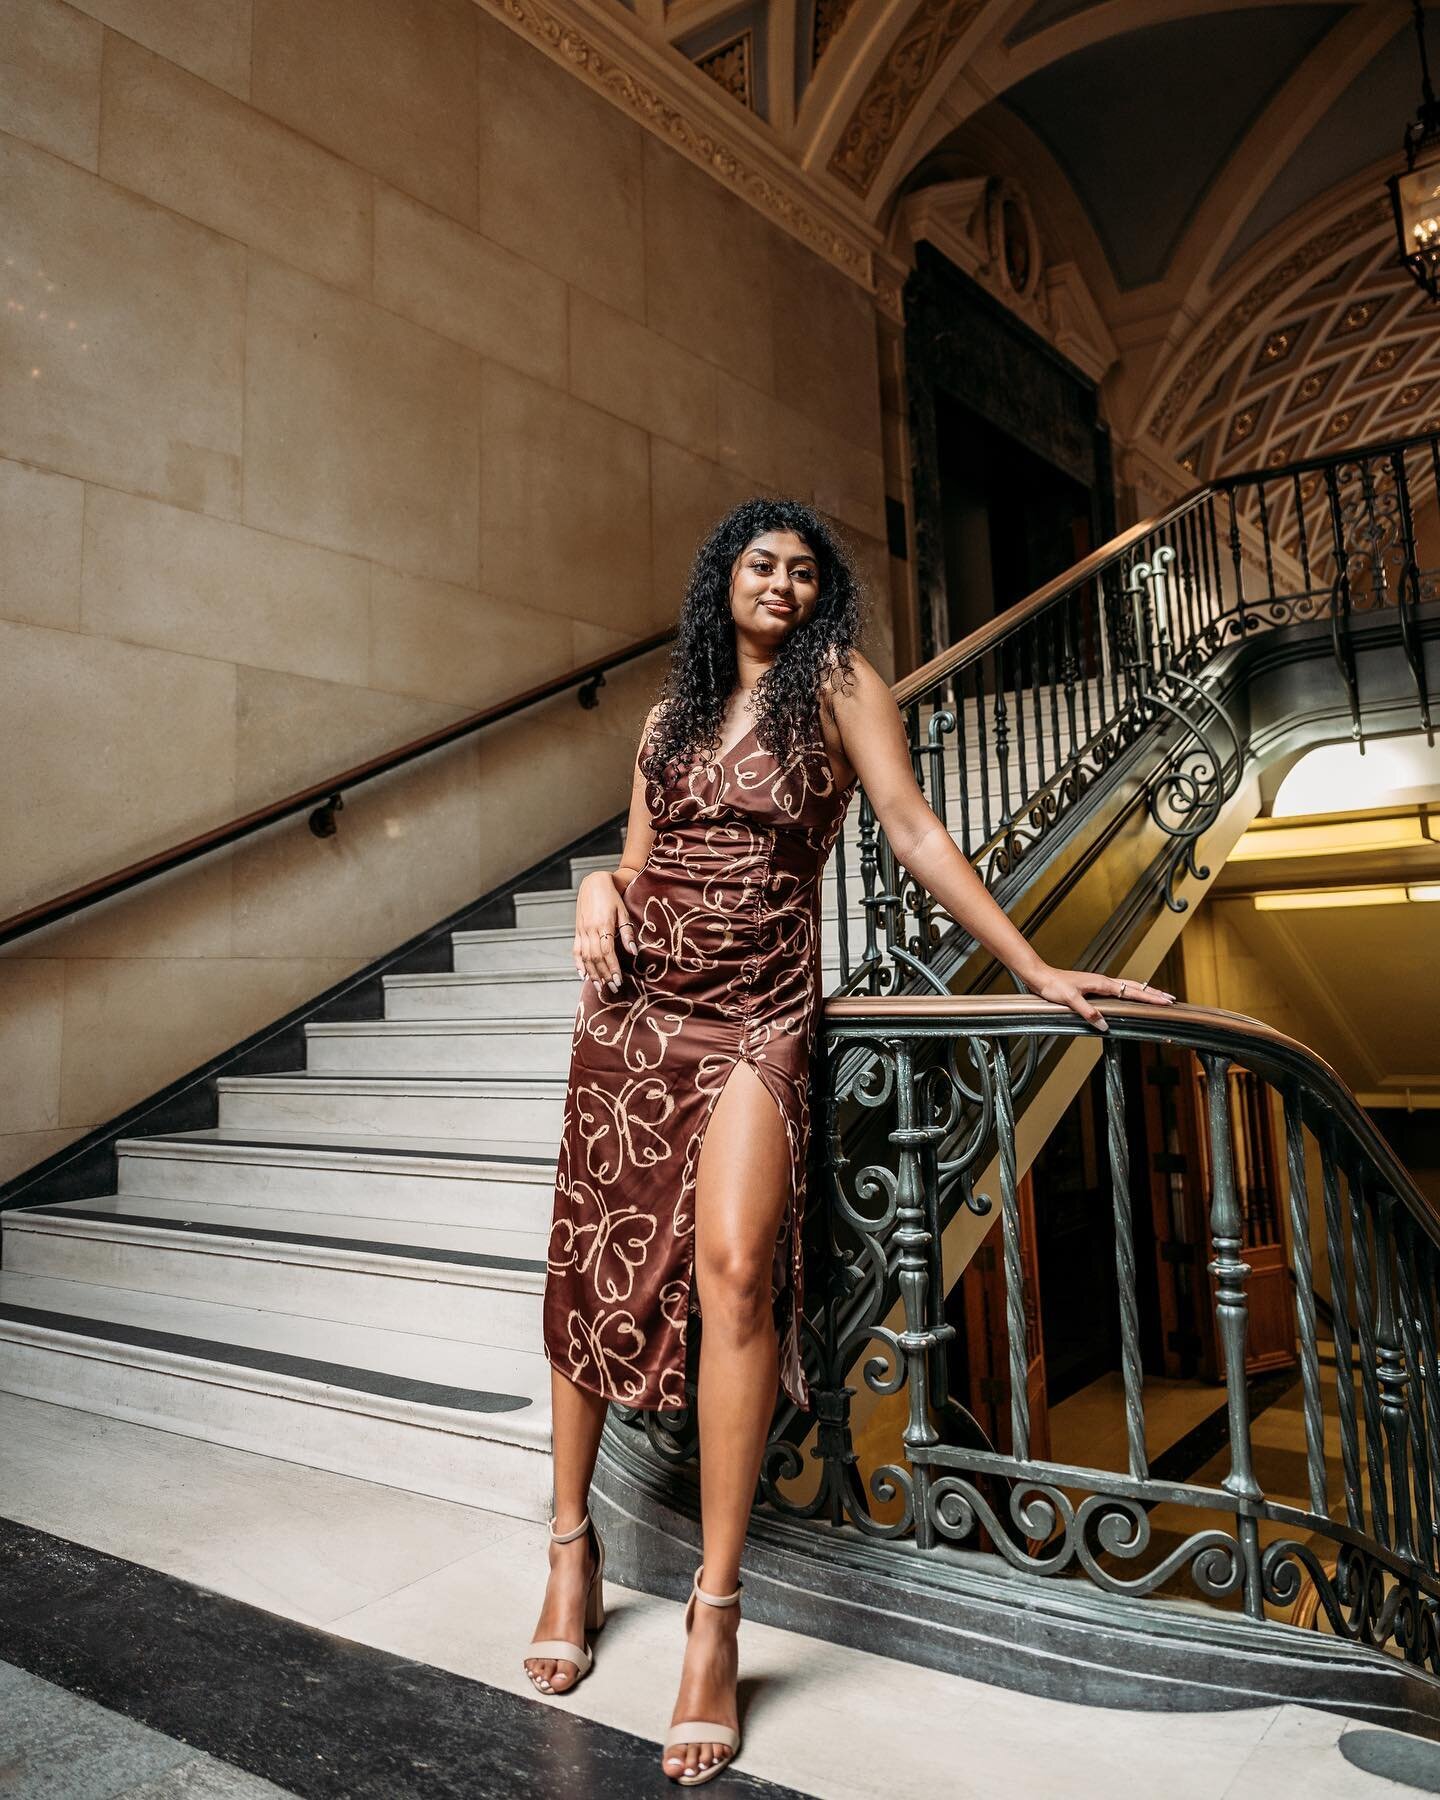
559, 1649
703, 1731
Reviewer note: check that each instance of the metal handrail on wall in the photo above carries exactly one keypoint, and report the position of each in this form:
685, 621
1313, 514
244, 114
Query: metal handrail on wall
1013, 728
323, 799
942, 1076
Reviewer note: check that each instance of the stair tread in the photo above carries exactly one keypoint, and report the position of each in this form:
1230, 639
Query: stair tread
481, 1247
405, 1081
218, 1141
395, 1365
552, 1023
501, 977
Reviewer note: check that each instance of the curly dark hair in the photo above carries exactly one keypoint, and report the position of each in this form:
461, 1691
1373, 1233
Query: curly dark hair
703, 666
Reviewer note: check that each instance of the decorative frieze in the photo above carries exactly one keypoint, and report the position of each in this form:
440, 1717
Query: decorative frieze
681, 121
906, 70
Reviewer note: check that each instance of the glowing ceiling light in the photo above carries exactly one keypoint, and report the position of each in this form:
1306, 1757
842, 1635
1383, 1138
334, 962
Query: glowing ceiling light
1343, 837
1334, 778
1317, 899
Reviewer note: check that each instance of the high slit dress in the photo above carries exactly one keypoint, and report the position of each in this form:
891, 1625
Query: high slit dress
726, 916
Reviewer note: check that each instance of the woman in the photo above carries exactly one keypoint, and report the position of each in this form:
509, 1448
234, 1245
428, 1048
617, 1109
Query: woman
680, 1179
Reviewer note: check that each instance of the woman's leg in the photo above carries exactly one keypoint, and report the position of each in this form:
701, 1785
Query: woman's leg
577, 1419
742, 1188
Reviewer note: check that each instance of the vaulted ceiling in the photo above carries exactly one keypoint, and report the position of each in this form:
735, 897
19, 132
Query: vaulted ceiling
1214, 168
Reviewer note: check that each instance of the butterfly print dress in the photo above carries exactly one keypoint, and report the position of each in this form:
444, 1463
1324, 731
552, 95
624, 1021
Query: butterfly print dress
726, 915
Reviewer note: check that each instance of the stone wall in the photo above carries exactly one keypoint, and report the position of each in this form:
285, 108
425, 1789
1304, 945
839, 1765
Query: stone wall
359, 365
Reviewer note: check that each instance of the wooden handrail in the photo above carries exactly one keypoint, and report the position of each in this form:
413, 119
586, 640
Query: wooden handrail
65, 905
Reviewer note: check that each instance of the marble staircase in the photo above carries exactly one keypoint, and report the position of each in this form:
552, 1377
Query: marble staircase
345, 1271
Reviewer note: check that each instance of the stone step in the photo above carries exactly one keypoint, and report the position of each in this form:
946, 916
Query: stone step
523, 1108
404, 1180
466, 1422
461, 1282
473, 996
539, 993
468, 1046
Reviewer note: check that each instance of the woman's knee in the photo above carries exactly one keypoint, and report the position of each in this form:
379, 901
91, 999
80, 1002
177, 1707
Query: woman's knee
734, 1291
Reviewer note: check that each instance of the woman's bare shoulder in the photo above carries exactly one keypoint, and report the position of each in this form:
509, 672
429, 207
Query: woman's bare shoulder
854, 685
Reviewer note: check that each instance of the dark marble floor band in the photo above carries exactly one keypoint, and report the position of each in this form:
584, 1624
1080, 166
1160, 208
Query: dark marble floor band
469, 1259
316, 1715
275, 1362
1190, 1453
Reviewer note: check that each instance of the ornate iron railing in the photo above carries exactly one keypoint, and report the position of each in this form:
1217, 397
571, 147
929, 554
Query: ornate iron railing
1012, 729
940, 1078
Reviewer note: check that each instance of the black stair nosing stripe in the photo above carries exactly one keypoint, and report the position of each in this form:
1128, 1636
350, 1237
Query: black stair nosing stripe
311, 1077
468, 1259
315, 1148
317, 1714
379, 1383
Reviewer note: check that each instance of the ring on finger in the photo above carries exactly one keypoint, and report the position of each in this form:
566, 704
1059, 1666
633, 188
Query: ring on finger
1123, 986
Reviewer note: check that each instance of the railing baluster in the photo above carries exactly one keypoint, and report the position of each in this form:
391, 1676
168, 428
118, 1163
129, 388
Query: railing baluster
869, 899
1071, 670
1014, 1265
1018, 685
1406, 1249
1340, 1311
1304, 529
984, 754
1237, 562
1119, 1149
1364, 1265
1301, 1265
914, 1274
1002, 743
1430, 1373
962, 758
1055, 618
1265, 538
1231, 1310
842, 905
1393, 1374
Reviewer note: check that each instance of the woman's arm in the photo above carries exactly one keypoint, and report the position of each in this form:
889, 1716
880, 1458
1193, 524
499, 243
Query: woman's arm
601, 917
873, 736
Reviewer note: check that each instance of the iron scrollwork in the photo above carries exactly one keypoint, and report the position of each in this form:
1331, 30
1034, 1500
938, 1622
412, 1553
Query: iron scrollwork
1190, 790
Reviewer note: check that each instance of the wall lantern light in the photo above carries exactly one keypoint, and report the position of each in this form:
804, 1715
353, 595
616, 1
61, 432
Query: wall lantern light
1415, 194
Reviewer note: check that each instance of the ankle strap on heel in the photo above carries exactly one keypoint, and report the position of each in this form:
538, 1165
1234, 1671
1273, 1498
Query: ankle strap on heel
716, 1599
569, 1537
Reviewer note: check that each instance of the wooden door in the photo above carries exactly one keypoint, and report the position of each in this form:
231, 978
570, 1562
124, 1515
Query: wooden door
1177, 1151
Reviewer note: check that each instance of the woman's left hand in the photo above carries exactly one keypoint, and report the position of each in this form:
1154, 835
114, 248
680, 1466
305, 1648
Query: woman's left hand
1070, 987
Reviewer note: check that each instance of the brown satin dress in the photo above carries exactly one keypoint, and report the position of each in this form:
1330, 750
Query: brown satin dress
726, 914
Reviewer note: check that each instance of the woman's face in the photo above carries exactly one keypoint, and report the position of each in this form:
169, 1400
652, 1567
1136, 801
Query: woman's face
774, 586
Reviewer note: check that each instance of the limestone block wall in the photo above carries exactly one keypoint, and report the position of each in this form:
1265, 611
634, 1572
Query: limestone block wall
358, 366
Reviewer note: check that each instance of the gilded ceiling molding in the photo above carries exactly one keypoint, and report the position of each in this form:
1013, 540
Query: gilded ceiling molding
729, 66
935, 27
1345, 232
571, 40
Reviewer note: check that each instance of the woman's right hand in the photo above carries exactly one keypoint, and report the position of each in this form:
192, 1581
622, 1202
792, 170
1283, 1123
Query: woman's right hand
601, 922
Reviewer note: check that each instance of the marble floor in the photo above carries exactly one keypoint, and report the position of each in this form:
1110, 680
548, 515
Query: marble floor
56, 1746
382, 1575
